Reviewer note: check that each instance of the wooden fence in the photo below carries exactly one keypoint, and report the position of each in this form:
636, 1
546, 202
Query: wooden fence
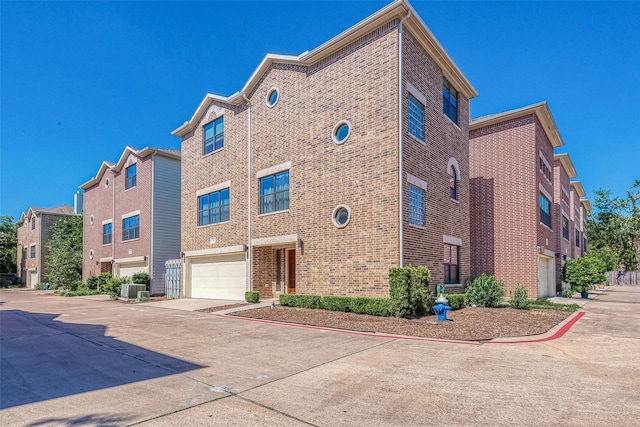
626, 278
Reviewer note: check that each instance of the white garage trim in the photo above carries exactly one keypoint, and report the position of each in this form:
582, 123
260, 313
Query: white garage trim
131, 268
221, 276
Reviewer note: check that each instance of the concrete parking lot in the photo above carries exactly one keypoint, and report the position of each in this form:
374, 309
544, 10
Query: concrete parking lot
86, 361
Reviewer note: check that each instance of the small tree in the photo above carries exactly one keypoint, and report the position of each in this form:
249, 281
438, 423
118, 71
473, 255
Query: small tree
485, 291
64, 263
582, 273
8, 244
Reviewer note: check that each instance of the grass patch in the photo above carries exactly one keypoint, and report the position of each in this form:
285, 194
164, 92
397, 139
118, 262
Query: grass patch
548, 305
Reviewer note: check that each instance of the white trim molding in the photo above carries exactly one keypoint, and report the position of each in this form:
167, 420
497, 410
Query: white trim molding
215, 251
213, 188
107, 221
273, 169
106, 259
130, 214
545, 192
130, 259
417, 181
456, 241
416, 94
275, 240
453, 162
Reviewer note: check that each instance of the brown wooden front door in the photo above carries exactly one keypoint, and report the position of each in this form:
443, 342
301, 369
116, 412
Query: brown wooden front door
291, 271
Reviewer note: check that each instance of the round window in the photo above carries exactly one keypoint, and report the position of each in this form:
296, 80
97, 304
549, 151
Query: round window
341, 216
341, 132
272, 97
91, 219
91, 254
106, 183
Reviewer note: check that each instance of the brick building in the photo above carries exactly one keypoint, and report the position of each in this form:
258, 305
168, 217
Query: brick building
132, 215
329, 167
525, 210
34, 232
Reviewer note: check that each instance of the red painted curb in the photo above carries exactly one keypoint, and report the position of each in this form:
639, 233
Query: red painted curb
556, 335
559, 333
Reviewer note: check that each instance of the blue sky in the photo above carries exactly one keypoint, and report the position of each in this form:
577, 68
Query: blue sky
81, 80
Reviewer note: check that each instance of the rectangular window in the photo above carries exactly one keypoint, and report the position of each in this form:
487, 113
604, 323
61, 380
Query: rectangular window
274, 193
545, 168
131, 228
213, 207
107, 233
577, 238
584, 244
416, 118
213, 136
565, 227
545, 210
131, 180
33, 223
451, 264
416, 205
33, 251
449, 101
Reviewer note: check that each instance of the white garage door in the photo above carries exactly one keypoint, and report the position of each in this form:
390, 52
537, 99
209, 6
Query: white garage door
218, 277
546, 285
129, 269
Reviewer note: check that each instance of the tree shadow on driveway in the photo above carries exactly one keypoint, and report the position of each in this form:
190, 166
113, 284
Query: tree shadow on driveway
42, 358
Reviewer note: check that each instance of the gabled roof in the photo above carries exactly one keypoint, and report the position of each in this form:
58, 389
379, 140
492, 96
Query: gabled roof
541, 110
566, 163
147, 151
577, 186
398, 9
34, 211
586, 203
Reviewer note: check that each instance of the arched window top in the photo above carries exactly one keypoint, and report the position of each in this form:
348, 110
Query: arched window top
454, 176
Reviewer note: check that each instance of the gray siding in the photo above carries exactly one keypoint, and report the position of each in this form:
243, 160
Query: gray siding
165, 242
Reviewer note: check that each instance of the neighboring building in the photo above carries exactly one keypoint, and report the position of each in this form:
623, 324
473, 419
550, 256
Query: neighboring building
34, 232
513, 223
585, 208
330, 167
564, 226
132, 215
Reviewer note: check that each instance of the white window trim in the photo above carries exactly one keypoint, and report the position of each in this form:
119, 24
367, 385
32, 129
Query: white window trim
451, 240
130, 214
213, 188
269, 92
335, 129
544, 160
417, 182
453, 162
333, 216
107, 221
416, 94
274, 170
546, 193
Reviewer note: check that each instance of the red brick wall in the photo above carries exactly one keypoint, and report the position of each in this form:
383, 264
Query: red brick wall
504, 202
428, 161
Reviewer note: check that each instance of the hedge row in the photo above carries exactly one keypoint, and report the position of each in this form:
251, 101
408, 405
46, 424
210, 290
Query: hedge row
360, 305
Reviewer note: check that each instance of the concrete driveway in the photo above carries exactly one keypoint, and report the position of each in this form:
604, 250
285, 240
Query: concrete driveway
82, 361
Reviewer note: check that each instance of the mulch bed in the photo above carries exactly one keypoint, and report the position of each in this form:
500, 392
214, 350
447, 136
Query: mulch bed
469, 323
222, 307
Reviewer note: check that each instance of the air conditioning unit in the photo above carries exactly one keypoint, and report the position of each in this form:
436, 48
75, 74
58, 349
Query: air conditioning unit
130, 290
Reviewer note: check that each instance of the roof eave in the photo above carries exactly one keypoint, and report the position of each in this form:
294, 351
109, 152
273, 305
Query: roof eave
567, 164
586, 203
542, 112
577, 185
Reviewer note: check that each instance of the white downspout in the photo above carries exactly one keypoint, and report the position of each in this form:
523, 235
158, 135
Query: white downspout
400, 140
249, 257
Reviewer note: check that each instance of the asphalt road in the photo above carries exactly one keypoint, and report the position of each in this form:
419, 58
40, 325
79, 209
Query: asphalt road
81, 361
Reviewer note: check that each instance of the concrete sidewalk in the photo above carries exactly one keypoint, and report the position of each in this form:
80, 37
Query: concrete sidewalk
80, 361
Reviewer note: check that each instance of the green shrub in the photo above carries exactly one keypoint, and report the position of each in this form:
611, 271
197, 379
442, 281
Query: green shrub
114, 286
40, 286
457, 301
92, 282
335, 303
409, 289
302, 301
519, 297
103, 279
141, 279
252, 296
485, 291
372, 306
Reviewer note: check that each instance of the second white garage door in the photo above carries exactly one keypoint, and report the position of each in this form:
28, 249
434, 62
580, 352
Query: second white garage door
218, 277
131, 268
